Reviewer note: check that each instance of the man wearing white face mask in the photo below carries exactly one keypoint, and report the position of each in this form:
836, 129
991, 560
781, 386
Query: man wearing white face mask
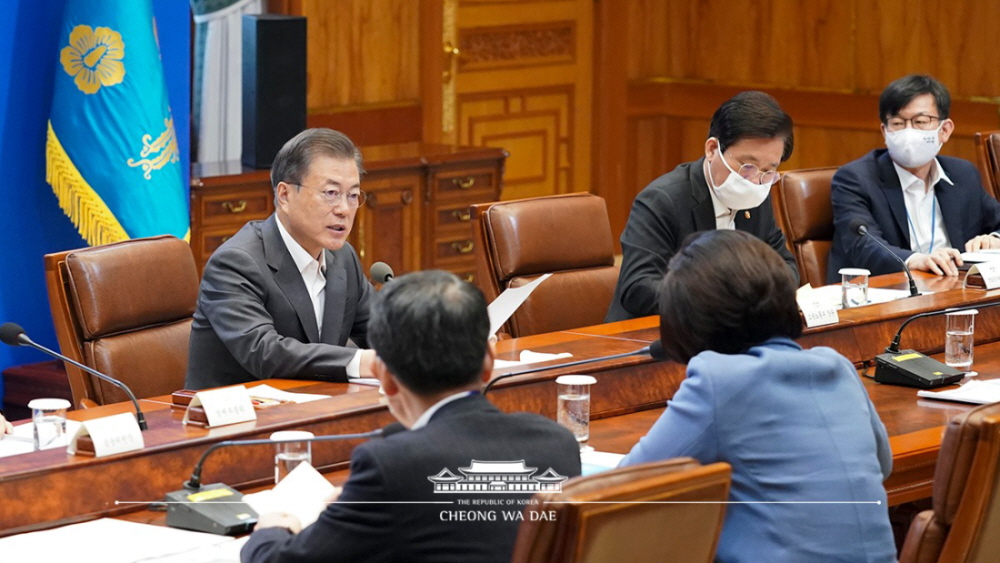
923, 206
749, 136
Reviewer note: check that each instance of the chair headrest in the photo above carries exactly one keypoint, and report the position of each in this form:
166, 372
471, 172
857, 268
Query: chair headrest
546, 234
119, 287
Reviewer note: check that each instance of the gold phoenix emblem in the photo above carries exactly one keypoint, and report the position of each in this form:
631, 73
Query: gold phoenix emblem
165, 145
94, 58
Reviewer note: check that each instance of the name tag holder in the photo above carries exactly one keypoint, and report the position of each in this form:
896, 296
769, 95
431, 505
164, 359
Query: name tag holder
106, 436
816, 313
983, 275
220, 407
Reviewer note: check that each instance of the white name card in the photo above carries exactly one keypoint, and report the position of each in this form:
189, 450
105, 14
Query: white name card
111, 435
818, 313
227, 405
990, 271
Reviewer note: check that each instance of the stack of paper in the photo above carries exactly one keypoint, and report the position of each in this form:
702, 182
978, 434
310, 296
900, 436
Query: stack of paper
978, 392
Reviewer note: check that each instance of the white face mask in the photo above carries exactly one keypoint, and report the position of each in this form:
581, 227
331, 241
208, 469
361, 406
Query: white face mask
912, 148
737, 192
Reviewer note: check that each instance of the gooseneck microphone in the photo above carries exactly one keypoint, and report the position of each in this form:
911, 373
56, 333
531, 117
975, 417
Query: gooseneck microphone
194, 483
654, 350
862, 230
13, 335
381, 272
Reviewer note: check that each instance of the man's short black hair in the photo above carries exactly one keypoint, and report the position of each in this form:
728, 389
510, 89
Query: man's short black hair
900, 92
752, 115
725, 291
431, 329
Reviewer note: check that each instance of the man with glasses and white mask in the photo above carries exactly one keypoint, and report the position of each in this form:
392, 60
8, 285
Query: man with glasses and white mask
282, 296
923, 206
749, 136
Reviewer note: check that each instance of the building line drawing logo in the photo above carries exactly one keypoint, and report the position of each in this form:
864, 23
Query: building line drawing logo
497, 477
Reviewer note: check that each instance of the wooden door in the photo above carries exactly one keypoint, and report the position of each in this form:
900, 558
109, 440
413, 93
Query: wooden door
514, 74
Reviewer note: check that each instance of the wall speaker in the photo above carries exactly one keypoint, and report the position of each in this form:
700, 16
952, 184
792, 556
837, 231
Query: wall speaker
274, 85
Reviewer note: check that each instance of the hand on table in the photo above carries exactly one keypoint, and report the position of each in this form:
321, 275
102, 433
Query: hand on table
943, 262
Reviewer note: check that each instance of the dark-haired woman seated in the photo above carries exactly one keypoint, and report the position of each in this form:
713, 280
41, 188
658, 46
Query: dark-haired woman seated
807, 448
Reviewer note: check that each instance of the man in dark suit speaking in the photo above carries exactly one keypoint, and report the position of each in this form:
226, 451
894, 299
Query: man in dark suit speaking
452, 487
282, 296
923, 206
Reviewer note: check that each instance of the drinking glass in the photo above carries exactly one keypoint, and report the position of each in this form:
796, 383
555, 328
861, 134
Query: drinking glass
574, 406
290, 452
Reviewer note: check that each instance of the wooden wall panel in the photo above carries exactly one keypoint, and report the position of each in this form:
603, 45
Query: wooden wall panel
362, 52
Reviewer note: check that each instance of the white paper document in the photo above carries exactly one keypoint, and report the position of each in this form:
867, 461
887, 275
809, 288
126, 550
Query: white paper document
106, 540
988, 255
593, 461
529, 357
22, 440
303, 493
831, 295
268, 392
503, 307
978, 392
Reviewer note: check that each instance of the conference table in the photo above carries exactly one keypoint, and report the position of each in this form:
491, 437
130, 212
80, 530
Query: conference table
50, 488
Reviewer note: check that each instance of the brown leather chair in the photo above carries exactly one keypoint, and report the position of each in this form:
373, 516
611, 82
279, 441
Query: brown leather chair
988, 155
601, 517
124, 309
964, 524
805, 214
570, 235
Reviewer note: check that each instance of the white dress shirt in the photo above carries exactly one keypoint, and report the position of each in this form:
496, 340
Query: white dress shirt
313, 273
426, 416
725, 218
923, 212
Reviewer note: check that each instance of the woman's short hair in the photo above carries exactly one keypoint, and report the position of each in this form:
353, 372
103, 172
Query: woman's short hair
725, 291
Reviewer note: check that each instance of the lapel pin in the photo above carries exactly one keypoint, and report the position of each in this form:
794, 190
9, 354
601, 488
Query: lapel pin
746, 214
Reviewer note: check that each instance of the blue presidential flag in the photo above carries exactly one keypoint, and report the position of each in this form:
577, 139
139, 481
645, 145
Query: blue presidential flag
111, 154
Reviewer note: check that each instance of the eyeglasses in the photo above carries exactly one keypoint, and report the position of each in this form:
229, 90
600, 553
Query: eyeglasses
751, 172
922, 122
332, 197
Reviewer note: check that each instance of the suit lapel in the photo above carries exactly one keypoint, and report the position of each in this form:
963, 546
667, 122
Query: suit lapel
951, 211
288, 278
336, 289
893, 193
702, 212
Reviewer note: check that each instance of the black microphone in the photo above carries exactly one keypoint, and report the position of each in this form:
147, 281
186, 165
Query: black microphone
654, 350
913, 369
218, 508
13, 335
381, 272
194, 483
857, 226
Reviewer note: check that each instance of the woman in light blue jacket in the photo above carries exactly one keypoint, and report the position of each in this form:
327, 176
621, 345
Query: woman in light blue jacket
807, 448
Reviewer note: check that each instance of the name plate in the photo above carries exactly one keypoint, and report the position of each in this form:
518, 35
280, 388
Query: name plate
227, 405
817, 313
988, 271
108, 435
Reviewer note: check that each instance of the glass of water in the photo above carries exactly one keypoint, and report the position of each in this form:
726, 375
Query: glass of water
853, 287
574, 406
959, 333
290, 452
48, 417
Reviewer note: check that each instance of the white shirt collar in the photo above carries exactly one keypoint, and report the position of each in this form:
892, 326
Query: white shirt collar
909, 182
302, 258
426, 417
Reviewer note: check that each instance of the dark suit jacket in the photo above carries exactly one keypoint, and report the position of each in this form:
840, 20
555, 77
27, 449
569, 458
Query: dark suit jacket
397, 469
868, 191
663, 215
254, 319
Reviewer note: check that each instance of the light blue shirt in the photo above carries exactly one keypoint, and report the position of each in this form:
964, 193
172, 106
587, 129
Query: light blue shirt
795, 425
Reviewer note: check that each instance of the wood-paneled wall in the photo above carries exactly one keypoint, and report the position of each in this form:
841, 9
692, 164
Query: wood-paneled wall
606, 95
666, 65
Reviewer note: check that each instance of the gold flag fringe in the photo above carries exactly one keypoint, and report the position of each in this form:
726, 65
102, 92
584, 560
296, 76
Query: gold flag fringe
84, 207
